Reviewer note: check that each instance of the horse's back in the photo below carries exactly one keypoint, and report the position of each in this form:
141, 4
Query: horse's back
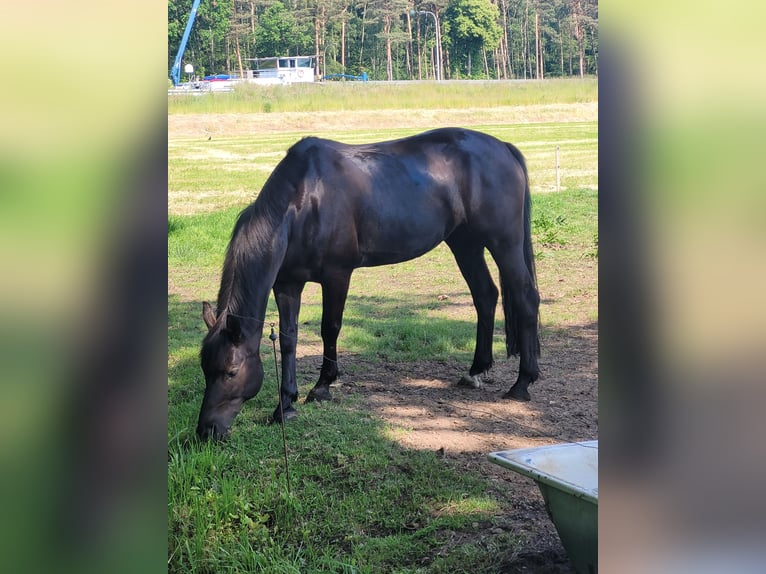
387, 202
433, 161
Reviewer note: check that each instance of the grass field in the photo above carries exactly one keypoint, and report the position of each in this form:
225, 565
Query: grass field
227, 171
360, 502
350, 96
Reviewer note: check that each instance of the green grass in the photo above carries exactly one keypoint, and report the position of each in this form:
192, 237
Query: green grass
397, 322
360, 502
351, 96
357, 503
229, 171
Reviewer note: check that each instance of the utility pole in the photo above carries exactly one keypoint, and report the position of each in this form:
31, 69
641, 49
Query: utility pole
438, 41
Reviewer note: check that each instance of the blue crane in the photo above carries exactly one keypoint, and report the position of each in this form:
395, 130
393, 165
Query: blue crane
175, 72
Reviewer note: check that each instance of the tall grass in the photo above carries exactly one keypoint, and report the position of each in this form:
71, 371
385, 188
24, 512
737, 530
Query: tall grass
351, 96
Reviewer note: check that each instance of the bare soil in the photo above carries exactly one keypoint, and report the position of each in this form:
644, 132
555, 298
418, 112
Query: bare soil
427, 410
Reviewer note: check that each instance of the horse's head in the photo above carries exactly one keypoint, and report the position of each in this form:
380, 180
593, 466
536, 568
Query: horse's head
233, 372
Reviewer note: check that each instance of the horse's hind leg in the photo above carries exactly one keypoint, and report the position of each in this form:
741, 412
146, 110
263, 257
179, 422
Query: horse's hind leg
334, 291
521, 303
469, 255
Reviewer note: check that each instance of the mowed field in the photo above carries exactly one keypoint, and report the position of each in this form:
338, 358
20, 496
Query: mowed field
391, 476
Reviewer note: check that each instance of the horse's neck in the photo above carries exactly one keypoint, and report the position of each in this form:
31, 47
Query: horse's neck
250, 271
246, 302
251, 317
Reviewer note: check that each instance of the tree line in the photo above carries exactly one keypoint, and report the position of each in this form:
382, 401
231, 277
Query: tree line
394, 39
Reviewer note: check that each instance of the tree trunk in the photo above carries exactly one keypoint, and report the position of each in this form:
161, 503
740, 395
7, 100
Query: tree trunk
212, 54
525, 39
410, 72
343, 44
316, 45
239, 56
361, 43
387, 34
228, 55
569, 52
538, 67
420, 53
504, 49
578, 32
439, 63
561, 47
486, 64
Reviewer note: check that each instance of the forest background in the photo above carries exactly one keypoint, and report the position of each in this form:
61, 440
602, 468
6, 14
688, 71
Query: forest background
394, 39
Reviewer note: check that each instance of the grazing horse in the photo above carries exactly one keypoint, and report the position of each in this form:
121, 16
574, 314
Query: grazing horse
329, 208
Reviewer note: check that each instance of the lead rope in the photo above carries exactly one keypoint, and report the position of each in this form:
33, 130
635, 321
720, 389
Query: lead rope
273, 338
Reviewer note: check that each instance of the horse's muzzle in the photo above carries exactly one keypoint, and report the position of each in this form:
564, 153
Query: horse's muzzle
212, 431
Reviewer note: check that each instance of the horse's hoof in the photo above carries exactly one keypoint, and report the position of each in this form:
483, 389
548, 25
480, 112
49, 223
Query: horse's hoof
319, 394
521, 395
288, 414
470, 382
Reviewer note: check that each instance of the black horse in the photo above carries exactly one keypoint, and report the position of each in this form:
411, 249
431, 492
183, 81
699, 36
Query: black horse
329, 208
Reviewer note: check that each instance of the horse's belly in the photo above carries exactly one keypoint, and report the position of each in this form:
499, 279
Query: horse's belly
381, 258
389, 249
411, 232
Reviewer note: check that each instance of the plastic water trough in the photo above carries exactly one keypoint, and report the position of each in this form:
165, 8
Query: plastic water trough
567, 475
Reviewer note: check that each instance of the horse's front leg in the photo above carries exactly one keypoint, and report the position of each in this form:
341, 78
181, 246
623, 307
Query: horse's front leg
288, 297
334, 292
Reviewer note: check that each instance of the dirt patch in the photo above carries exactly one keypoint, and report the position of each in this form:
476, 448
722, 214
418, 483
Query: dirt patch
545, 562
426, 410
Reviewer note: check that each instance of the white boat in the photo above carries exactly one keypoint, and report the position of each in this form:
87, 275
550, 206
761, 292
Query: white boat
276, 70
282, 70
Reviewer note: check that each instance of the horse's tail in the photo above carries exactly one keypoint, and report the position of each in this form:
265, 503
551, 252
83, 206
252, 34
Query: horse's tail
513, 332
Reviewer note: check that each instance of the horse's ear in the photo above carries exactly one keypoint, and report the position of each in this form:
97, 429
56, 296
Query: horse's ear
207, 314
234, 328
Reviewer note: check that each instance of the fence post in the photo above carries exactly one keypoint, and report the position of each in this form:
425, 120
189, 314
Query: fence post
558, 174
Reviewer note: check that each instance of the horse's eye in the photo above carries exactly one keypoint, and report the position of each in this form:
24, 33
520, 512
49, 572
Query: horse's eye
231, 374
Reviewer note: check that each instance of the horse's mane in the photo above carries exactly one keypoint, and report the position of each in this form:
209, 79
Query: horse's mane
249, 241
250, 249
